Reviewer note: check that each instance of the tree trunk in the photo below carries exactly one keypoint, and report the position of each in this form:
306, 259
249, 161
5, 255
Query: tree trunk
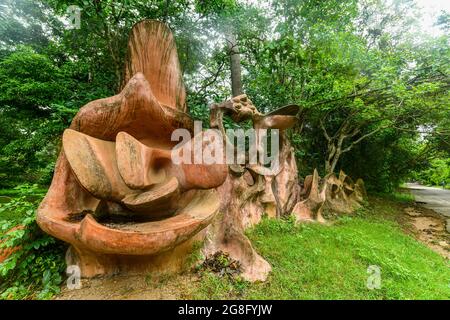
235, 65
333, 154
331, 162
328, 166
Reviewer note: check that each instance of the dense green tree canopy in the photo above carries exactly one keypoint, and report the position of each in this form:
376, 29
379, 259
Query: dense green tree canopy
373, 91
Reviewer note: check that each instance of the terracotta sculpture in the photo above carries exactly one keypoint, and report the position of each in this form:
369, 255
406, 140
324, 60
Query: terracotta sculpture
125, 206
329, 196
116, 196
249, 192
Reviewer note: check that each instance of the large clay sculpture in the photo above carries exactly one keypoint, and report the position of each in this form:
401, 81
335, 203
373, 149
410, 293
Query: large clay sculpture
125, 205
116, 195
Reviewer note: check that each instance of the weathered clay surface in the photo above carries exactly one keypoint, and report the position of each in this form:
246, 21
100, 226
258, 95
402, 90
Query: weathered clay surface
116, 196
343, 195
248, 193
124, 205
330, 194
314, 194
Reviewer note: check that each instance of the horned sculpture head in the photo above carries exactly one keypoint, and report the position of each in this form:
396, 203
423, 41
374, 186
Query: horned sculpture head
116, 195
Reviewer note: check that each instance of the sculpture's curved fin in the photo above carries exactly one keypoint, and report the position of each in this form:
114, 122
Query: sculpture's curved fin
158, 198
93, 161
279, 122
288, 110
282, 118
317, 192
140, 166
152, 51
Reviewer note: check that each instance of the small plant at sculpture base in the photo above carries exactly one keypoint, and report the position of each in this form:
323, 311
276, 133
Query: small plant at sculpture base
221, 264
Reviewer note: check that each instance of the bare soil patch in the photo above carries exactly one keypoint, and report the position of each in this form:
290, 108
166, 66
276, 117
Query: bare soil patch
136, 287
428, 227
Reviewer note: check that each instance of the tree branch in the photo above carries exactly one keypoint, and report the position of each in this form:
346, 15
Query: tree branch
325, 133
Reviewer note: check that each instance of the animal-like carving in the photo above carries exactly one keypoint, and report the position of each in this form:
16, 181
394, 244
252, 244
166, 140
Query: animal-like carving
116, 195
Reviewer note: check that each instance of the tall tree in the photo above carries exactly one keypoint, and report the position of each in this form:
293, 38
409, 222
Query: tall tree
235, 64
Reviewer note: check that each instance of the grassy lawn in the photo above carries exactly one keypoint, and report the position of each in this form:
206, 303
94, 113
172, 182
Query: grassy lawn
313, 261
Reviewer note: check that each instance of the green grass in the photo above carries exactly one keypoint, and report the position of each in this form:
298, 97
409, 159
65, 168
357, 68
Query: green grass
400, 196
313, 261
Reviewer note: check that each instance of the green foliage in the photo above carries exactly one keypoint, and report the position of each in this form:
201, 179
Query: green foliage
38, 99
437, 174
344, 62
39, 23
34, 268
29, 80
215, 6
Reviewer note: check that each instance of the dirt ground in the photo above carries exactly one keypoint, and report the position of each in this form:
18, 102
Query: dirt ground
428, 227
126, 287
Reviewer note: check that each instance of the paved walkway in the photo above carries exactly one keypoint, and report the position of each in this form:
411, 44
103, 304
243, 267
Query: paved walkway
432, 198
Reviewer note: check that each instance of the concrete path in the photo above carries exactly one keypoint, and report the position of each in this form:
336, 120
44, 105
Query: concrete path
432, 198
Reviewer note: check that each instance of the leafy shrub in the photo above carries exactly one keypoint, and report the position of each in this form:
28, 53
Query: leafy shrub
33, 270
437, 174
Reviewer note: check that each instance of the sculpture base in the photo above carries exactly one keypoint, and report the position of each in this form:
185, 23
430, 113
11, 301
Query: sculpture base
94, 264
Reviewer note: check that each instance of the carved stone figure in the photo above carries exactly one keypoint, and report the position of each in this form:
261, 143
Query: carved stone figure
330, 195
124, 205
116, 195
249, 191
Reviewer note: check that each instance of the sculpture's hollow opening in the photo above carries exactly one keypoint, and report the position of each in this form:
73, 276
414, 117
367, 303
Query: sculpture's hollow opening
119, 221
